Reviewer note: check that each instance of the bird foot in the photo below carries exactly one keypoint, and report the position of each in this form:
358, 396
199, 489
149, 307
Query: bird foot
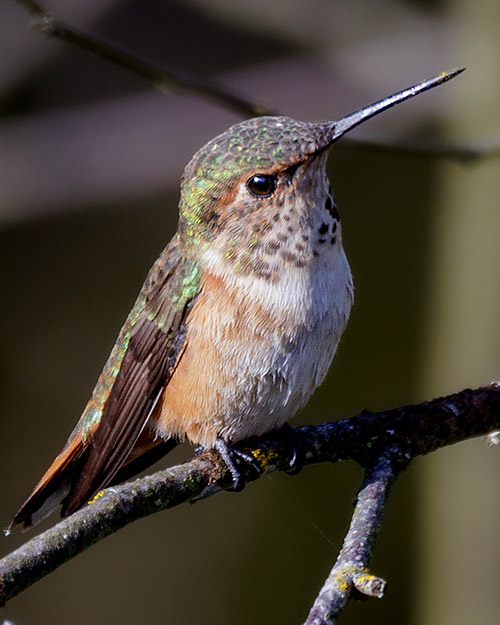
234, 459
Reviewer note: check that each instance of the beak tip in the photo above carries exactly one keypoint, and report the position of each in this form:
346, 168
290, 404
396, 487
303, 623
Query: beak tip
344, 124
452, 73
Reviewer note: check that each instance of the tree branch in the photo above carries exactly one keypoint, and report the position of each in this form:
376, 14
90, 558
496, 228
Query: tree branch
385, 442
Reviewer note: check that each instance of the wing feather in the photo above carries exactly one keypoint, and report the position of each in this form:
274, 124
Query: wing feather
141, 364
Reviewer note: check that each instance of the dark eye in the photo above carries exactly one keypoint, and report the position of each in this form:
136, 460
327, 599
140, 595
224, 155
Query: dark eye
262, 185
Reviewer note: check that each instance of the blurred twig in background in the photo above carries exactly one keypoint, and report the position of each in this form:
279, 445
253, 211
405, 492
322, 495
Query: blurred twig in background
163, 79
35, 146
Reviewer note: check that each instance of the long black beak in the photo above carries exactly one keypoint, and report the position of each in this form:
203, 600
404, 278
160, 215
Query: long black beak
344, 124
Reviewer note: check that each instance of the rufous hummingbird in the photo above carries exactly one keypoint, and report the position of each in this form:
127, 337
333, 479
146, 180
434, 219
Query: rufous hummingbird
239, 318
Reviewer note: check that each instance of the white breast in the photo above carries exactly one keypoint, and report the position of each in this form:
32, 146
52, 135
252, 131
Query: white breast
289, 343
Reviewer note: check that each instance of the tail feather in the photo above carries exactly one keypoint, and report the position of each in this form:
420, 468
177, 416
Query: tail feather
63, 483
54, 486
81, 492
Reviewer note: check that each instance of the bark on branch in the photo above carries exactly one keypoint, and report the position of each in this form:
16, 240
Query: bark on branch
384, 443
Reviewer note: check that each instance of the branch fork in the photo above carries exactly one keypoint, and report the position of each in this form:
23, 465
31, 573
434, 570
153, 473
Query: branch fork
383, 443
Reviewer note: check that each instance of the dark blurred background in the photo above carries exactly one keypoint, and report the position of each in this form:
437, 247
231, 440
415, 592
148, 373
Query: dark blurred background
90, 160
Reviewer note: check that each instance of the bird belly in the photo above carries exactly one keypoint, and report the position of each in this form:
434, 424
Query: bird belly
249, 365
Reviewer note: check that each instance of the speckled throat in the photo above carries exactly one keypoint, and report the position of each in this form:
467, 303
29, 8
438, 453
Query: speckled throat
292, 229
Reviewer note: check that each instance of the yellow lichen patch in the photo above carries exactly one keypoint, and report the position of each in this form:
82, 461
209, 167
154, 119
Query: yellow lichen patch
265, 460
96, 497
365, 579
370, 585
341, 579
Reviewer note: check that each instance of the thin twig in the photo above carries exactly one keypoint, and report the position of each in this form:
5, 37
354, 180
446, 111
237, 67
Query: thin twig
163, 79
412, 430
350, 572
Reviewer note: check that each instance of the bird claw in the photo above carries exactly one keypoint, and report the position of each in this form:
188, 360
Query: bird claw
234, 457
300, 447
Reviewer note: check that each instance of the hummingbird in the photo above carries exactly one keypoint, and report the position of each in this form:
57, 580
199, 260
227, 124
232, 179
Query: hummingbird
239, 318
